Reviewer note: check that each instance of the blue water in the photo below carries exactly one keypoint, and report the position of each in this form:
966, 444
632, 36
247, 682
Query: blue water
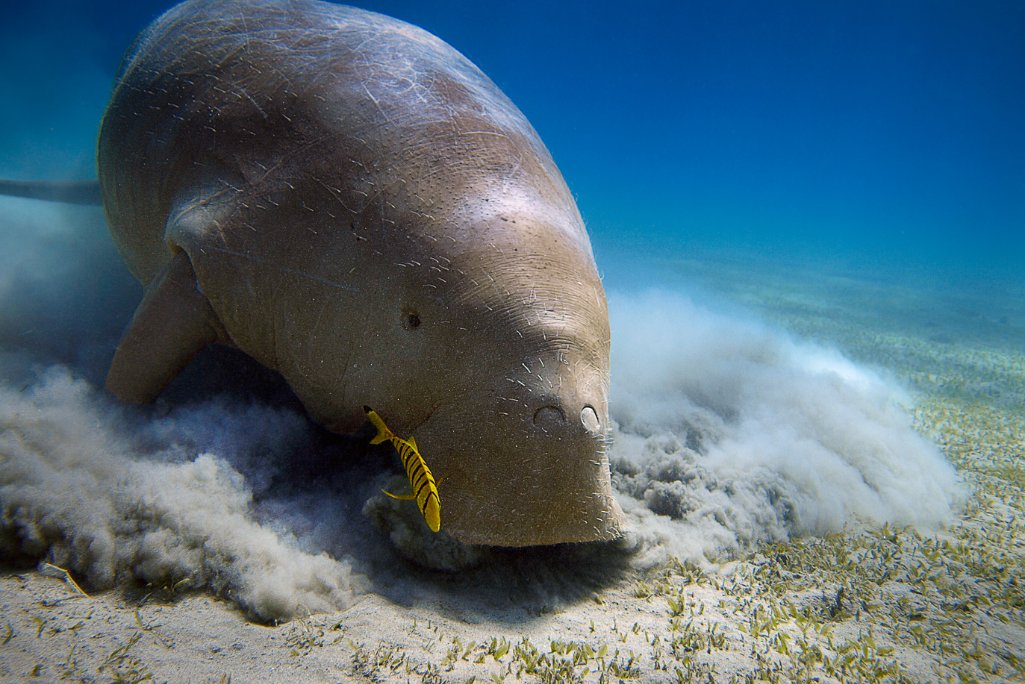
880, 135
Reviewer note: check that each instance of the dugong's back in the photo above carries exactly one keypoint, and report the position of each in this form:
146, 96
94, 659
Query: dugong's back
348, 200
228, 98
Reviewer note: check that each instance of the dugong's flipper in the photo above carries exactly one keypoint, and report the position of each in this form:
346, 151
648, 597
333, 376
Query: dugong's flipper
172, 324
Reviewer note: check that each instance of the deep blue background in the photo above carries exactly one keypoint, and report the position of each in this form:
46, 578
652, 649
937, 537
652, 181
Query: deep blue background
865, 132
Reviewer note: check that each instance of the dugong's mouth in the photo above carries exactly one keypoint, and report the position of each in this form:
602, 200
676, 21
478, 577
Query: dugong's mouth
522, 480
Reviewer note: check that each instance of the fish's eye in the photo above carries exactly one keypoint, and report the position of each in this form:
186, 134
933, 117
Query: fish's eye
410, 319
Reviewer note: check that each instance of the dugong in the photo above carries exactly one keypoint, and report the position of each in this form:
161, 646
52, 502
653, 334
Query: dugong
349, 201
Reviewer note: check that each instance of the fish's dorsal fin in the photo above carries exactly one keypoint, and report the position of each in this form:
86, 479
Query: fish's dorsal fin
412, 443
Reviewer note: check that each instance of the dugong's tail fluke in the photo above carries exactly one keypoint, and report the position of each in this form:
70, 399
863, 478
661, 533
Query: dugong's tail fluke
70, 192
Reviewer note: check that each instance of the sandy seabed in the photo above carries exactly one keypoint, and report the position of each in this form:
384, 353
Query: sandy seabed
866, 603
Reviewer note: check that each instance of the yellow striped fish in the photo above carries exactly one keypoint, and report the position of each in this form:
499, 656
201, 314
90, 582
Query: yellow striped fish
424, 489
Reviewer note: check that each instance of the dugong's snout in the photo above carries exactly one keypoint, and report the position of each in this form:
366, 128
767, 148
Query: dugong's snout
533, 476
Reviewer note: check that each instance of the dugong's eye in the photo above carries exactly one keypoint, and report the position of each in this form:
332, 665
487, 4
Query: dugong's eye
410, 319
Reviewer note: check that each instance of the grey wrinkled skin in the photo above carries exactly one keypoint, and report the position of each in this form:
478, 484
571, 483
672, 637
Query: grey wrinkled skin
351, 202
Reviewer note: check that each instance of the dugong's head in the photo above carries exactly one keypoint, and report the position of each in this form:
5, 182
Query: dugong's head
505, 380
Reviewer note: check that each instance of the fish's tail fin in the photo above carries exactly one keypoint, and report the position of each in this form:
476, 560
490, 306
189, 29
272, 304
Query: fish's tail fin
383, 433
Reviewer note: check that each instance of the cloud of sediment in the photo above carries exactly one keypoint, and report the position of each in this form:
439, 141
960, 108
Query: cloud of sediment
731, 433
81, 488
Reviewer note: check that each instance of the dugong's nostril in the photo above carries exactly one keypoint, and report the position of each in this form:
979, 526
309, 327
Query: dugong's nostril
549, 416
589, 417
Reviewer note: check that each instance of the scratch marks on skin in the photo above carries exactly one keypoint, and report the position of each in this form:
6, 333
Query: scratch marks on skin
280, 269
497, 134
337, 195
377, 104
220, 229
